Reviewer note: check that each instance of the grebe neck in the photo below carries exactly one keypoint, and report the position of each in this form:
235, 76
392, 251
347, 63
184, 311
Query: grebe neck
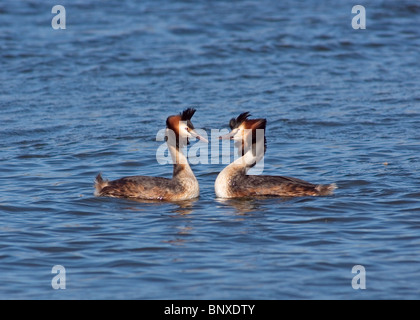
251, 157
182, 168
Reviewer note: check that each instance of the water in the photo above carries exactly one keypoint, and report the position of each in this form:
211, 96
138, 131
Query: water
342, 105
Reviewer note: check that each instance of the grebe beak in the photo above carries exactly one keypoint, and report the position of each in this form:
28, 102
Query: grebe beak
229, 136
196, 135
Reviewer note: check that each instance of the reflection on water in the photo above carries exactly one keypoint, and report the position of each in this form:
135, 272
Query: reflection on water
178, 208
251, 205
184, 207
241, 206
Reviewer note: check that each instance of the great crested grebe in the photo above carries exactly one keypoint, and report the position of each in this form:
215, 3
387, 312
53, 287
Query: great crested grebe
233, 181
182, 186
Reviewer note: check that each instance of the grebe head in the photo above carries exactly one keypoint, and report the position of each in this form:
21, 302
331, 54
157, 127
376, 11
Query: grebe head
182, 127
244, 131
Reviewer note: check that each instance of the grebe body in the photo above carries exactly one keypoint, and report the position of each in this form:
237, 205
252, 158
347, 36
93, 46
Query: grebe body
234, 182
182, 186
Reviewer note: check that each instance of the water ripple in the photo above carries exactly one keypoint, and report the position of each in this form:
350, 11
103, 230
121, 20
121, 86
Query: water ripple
342, 106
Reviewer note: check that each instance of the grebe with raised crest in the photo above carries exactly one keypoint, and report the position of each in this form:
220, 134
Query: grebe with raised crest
182, 186
234, 182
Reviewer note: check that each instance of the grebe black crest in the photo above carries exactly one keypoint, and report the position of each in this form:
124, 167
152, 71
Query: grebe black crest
182, 186
234, 182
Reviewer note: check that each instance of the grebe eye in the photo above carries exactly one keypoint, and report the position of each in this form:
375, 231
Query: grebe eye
188, 129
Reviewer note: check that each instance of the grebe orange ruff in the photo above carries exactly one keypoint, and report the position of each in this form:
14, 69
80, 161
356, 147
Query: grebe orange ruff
233, 181
182, 186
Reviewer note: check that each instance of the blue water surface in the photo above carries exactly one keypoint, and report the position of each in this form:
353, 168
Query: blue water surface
342, 105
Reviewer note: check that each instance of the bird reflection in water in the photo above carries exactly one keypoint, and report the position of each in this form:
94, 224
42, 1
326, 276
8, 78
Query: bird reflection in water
248, 206
182, 210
